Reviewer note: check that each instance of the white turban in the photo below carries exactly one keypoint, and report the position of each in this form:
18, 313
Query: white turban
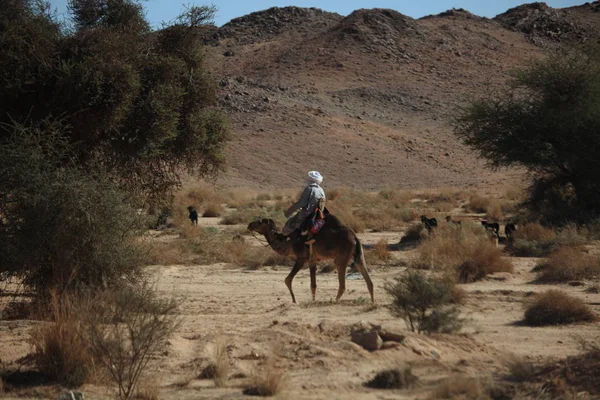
315, 176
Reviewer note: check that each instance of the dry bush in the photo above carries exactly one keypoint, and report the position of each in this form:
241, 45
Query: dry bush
568, 264
535, 240
212, 210
148, 391
60, 348
398, 378
379, 253
442, 206
495, 211
264, 196
424, 303
572, 235
594, 289
335, 193
197, 195
465, 249
163, 253
515, 194
414, 233
460, 387
554, 307
478, 204
270, 382
220, 362
244, 255
349, 219
521, 370
246, 215
535, 232
125, 329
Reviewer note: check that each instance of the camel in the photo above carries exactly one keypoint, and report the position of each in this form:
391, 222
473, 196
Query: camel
333, 241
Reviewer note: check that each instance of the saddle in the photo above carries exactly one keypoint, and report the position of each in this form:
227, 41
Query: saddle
313, 224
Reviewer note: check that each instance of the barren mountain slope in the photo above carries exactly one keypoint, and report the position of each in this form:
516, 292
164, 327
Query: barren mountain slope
367, 99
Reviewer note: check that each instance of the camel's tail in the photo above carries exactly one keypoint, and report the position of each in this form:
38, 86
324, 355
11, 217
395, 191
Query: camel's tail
359, 256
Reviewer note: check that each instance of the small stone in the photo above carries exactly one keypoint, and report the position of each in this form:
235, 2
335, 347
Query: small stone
390, 336
368, 340
228, 53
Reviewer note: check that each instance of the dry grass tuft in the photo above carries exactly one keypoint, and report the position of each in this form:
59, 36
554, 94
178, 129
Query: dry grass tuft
521, 370
163, 253
495, 211
554, 307
479, 204
213, 210
568, 264
460, 387
220, 361
379, 253
398, 378
270, 382
414, 233
349, 219
466, 250
535, 232
60, 348
594, 289
149, 391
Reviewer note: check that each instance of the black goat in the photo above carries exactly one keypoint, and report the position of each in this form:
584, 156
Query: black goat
493, 226
193, 215
430, 223
509, 230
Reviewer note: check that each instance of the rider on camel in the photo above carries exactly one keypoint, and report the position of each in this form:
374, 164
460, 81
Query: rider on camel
312, 197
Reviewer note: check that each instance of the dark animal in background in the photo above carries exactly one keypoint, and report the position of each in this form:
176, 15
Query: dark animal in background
509, 230
430, 223
493, 226
451, 221
193, 215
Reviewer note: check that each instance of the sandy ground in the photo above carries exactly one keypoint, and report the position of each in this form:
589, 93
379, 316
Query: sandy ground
252, 311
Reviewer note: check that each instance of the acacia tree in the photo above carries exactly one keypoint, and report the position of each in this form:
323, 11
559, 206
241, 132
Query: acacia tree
95, 117
547, 121
138, 102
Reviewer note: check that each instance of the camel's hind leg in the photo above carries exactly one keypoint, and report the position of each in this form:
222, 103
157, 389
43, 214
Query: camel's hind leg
288, 280
362, 268
361, 265
313, 280
341, 264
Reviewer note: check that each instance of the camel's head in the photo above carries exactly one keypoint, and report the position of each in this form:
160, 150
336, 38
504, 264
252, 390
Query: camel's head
261, 226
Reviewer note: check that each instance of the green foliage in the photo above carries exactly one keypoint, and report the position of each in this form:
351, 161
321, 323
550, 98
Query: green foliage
61, 227
424, 303
138, 102
548, 122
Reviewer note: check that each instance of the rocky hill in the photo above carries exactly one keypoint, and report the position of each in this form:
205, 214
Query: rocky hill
367, 99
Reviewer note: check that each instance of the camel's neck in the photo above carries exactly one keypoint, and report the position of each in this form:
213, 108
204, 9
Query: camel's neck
278, 242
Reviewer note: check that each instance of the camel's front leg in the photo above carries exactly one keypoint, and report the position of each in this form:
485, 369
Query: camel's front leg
288, 280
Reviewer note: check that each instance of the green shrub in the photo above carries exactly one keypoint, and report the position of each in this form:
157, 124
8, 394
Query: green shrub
424, 303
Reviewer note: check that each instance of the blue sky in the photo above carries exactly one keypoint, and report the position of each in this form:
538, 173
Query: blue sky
165, 10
